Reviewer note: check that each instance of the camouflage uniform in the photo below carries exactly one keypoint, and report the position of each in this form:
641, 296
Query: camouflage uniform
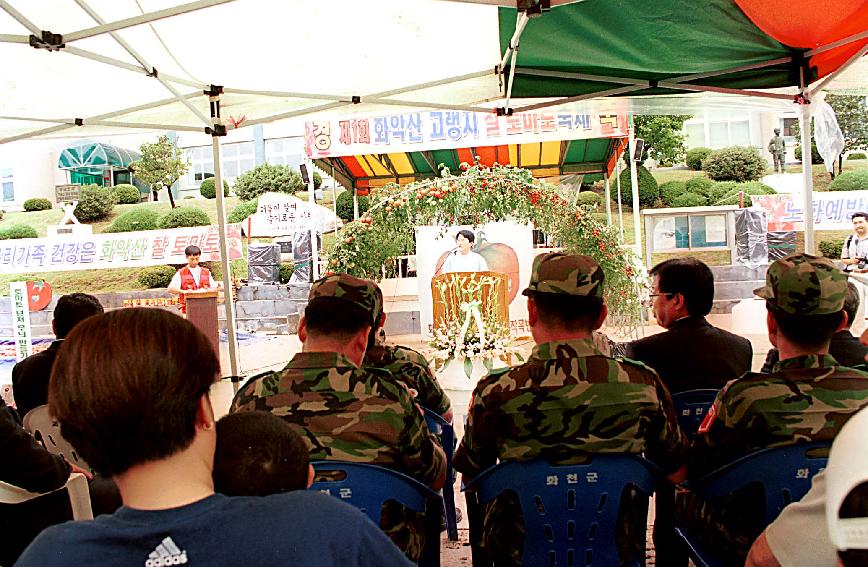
410, 368
804, 399
345, 413
567, 400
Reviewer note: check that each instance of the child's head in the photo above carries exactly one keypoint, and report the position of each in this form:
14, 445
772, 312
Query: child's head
259, 454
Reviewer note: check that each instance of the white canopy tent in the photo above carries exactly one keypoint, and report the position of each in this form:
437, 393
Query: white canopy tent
92, 67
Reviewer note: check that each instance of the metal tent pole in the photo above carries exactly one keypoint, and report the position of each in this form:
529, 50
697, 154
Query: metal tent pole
314, 248
217, 130
807, 175
618, 186
634, 185
608, 200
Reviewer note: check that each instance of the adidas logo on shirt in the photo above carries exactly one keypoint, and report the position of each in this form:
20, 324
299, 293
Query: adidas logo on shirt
167, 553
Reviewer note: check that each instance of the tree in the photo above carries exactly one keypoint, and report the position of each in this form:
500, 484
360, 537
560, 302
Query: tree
852, 115
161, 165
664, 134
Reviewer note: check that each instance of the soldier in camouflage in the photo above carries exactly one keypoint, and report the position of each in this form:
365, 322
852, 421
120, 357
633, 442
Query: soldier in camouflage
343, 412
567, 400
807, 397
407, 367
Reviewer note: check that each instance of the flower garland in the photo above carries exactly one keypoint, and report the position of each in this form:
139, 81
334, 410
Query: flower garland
479, 195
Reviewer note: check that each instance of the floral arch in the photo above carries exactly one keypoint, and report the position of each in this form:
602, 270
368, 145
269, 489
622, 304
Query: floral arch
479, 195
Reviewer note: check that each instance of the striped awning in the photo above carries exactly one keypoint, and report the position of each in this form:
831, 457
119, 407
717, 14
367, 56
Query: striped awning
590, 157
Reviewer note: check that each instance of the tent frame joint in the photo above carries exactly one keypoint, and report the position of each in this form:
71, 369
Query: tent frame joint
213, 90
79, 121
216, 131
49, 41
501, 111
356, 99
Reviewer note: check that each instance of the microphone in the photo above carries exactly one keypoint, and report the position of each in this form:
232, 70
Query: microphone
454, 250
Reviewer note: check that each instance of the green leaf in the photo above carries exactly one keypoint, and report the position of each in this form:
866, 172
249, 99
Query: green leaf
489, 364
468, 367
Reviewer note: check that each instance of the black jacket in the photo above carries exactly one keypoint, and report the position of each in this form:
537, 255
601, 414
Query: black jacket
844, 348
30, 379
693, 354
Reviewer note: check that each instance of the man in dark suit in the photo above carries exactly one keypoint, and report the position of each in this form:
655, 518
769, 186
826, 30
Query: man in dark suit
30, 376
844, 347
691, 353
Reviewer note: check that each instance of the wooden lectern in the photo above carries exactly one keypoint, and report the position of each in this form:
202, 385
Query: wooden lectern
449, 291
202, 312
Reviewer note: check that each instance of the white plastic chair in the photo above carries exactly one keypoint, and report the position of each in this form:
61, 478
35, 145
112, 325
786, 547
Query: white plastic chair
45, 429
76, 486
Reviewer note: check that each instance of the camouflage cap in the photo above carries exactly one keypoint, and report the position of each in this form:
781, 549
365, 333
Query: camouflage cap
364, 293
567, 274
801, 284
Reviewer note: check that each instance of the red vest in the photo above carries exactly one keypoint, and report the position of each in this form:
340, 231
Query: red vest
187, 282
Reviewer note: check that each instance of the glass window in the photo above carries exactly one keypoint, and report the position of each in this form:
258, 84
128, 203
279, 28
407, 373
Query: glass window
695, 135
718, 135
230, 169
739, 133
285, 151
230, 151
789, 125
8, 191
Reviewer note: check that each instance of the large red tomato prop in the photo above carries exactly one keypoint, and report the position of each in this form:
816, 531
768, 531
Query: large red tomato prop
38, 295
501, 258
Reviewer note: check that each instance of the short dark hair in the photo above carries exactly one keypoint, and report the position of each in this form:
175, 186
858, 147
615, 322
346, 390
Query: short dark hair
258, 454
335, 318
192, 251
810, 332
851, 303
72, 309
126, 386
860, 214
570, 312
854, 505
689, 277
468, 234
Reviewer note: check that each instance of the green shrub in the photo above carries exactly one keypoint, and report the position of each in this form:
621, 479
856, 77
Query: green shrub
719, 190
286, 272
184, 216
589, 198
689, 200
94, 203
207, 189
648, 190
850, 181
750, 188
126, 194
317, 180
815, 153
266, 177
37, 204
156, 276
344, 205
670, 190
242, 211
700, 186
857, 155
695, 157
736, 163
831, 248
18, 231
139, 218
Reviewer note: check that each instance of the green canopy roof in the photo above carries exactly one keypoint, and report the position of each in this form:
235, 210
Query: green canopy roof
94, 157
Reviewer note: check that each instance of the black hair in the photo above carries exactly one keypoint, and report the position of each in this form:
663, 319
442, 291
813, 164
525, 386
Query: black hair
851, 303
859, 214
689, 277
192, 251
258, 454
468, 234
854, 505
335, 317
72, 309
570, 312
810, 332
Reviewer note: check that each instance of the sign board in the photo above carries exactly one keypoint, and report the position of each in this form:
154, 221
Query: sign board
116, 250
280, 214
20, 320
441, 129
67, 193
832, 210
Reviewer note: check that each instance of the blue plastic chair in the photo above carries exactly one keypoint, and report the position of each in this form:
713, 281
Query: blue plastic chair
691, 407
785, 474
443, 430
570, 511
367, 487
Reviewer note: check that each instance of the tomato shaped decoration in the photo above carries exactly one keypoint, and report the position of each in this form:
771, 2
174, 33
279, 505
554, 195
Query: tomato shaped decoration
501, 258
38, 295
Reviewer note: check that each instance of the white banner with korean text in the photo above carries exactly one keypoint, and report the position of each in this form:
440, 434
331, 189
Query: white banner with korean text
116, 250
441, 129
20, 320
832, 210
279, 214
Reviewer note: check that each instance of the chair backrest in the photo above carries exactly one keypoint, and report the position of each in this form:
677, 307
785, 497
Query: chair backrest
366, 487
76, 485
691, 407
570, 511
443, 430
784, 472
45, 429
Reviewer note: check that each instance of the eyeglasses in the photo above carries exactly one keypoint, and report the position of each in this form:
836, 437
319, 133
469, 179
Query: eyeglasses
651, 296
